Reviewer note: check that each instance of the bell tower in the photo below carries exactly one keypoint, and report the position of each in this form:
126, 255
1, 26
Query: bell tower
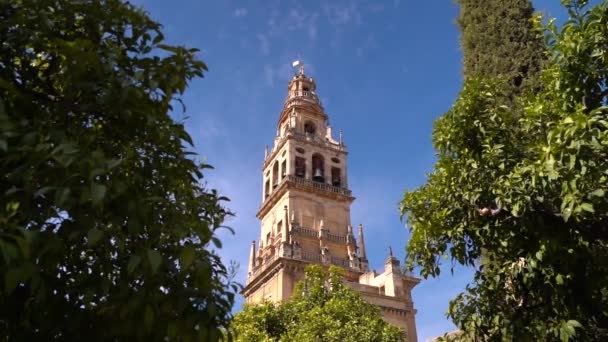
305, 213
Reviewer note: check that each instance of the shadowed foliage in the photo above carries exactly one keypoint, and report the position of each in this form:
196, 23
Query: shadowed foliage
499, 40
106, 232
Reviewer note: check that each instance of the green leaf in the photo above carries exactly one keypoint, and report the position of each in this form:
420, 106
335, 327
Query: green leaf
134, 261
12, 279
98, 192
155, 259
598, 193
187, 257
94, 236
587, 207
216, 242
148, 318
574, 323
559, 279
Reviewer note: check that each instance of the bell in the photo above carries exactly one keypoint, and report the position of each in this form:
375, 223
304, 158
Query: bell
318, 175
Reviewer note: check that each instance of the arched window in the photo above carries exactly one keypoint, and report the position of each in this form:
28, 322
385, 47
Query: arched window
309, 128
300, 167
318, 168
275, 174
267, 189
283, 169
335, 176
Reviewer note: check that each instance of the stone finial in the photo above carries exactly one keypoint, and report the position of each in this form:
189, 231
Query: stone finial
390, 251
265, 151
252, 257
362, 253
285, 228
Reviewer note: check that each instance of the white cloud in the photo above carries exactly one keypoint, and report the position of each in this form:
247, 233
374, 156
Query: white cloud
264, 44
278, 73
269, 75
240, 12
340, 15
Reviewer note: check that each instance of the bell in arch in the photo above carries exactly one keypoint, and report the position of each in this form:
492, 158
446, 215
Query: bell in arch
318, 175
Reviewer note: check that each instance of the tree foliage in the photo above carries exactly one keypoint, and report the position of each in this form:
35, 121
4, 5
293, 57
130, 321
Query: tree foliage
525, 183
498, 39
323, 308
105, 228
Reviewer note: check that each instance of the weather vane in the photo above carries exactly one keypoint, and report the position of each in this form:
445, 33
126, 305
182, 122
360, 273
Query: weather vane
298, 63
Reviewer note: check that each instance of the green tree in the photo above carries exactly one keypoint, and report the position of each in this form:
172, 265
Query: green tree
323, 308
498, 39
105, 228
533, 196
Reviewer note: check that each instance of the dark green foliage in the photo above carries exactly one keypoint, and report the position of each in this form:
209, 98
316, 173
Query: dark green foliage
105, 230
533, 198
498, 39
322, 309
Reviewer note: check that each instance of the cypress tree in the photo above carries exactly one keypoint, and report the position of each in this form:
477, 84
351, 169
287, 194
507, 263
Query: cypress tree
498, 40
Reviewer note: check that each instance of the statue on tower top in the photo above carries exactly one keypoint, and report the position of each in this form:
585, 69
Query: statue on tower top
298, 63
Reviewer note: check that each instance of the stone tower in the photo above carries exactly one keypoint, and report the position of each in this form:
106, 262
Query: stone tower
305, 215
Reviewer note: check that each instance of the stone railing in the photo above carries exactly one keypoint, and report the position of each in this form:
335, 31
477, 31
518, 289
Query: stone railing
308, 183
304, 231
318, 185
303, 93
340, 262
315, 257
336, 238
299, 230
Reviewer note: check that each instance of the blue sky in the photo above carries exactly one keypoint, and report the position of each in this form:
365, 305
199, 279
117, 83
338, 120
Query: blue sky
385, 71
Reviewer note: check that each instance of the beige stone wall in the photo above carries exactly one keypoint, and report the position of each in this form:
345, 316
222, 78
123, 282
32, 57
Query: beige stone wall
313, 206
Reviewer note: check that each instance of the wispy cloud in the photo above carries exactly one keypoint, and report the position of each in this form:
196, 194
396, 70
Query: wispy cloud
340, 14
292, 20
240, 12
264, 44
277, 73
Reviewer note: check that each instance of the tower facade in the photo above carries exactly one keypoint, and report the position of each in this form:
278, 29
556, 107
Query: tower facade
305, 215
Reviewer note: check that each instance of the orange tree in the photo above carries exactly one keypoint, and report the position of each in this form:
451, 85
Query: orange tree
323, 308
105, 228
524, 184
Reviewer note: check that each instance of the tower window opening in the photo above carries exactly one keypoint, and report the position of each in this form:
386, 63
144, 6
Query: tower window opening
318, 168
283, 169
300, 167
309, 128
267, 189
275, 174
335, 176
